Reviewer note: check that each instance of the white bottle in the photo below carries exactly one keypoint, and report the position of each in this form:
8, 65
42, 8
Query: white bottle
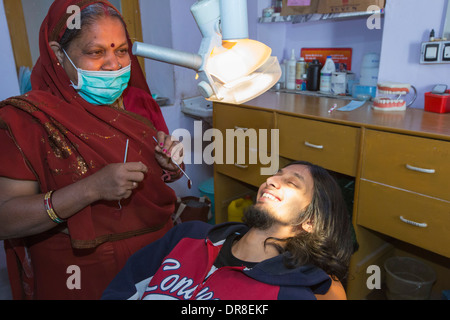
290, 71
325, 75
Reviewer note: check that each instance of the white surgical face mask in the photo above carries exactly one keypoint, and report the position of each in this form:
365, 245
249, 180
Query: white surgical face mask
101, 87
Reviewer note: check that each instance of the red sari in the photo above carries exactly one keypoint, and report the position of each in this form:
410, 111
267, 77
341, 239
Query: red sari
62, 139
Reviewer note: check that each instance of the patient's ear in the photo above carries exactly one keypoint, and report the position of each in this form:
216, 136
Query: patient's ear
307, 226
56, 48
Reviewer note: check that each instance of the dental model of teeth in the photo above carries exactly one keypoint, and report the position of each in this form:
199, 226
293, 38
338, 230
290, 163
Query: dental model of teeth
384, 103
393, 88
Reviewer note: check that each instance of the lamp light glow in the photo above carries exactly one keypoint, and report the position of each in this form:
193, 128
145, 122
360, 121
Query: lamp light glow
236, 59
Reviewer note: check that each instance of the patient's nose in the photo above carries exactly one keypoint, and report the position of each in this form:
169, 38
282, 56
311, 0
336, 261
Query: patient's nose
273, 181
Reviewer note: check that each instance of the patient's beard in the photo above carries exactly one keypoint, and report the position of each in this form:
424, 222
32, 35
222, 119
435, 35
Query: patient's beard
259, 218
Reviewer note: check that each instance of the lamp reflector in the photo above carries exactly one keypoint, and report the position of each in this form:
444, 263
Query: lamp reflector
236, 59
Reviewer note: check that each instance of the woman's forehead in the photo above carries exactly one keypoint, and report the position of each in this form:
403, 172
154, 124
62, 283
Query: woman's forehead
104, 29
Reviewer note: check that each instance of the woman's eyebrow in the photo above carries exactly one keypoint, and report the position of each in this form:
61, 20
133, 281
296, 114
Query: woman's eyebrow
123, 44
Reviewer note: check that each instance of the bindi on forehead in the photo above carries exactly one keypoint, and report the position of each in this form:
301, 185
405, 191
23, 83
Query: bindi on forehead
113, 45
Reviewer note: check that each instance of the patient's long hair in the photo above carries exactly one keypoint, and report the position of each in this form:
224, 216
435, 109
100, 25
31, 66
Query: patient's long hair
329, 245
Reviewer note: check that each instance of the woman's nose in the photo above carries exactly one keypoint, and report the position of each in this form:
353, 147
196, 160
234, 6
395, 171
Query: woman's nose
111, 63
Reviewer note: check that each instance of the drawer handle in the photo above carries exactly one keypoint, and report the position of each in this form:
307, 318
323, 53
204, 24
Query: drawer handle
240, 166
240, 128
315, 146
420, 169
416, 224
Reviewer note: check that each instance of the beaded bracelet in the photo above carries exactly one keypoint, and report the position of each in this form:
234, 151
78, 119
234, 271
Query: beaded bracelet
49, 208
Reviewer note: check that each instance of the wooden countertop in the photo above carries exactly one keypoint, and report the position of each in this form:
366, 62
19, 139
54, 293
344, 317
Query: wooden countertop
412, 121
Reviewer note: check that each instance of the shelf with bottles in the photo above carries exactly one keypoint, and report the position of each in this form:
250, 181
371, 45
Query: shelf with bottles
316, 17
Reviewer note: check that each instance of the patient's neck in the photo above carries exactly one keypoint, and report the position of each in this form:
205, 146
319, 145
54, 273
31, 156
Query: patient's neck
253, 247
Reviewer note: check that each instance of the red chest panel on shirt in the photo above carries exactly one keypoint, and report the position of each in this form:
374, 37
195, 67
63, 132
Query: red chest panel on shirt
182, 276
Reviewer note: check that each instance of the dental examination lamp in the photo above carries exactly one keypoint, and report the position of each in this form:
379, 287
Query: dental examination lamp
230, 67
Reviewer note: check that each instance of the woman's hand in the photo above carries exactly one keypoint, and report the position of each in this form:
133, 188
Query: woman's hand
22, 211
117, 181
167, 150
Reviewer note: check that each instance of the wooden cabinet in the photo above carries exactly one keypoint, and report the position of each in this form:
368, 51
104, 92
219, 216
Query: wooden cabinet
241, 130
404, 190
400, 163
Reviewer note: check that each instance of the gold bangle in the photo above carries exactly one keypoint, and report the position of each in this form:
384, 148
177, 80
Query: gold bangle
49, 208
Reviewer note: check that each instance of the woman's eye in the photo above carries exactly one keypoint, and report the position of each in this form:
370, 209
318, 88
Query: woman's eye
122, 52
96, 53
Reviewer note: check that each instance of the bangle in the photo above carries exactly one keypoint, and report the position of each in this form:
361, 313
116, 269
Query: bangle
49, 208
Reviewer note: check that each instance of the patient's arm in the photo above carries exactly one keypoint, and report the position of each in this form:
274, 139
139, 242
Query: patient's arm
336, 292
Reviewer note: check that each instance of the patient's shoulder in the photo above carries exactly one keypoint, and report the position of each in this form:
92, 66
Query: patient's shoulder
336, 292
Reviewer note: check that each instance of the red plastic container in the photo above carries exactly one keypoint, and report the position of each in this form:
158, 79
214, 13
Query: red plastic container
439, 103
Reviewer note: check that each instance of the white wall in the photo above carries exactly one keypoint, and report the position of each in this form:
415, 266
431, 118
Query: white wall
170, 24
9, 85
157, 30
35, 12
407, 24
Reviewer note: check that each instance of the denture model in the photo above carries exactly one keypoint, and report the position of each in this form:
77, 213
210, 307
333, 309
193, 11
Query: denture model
384, 103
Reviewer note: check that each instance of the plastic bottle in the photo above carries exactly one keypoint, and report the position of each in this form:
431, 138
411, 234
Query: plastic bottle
325, 75
290, 71
369, 69
299, 72
277, 4
236, 208
304, 82
313, 76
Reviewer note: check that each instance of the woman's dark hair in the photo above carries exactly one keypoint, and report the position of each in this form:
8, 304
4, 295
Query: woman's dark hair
330, 245
89, 16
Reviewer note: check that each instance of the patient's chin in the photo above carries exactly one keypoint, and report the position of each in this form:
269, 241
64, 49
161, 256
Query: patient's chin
259, 218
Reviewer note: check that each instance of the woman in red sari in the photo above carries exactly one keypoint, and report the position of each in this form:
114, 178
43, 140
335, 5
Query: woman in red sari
74, 204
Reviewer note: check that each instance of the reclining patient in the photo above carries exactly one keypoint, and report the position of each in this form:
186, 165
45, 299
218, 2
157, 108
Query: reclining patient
295, 243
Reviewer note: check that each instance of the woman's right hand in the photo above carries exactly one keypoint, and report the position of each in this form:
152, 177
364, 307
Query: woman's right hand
117, 181
22, 211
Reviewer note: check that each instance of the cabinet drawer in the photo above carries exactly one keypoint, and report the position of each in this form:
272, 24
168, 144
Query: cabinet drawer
235, 117
394, 212
250, 174
418, 164
333, 146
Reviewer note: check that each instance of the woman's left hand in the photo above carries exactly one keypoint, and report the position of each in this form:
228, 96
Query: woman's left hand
168, 150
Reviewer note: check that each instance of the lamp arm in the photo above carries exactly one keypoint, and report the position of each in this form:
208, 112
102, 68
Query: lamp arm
167, 55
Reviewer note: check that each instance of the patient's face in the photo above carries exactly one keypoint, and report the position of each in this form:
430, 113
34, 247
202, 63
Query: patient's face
284, 195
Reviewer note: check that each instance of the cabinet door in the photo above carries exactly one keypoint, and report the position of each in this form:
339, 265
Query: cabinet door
333, 146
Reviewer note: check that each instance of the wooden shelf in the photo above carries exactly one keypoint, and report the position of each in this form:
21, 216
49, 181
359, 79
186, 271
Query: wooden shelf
316, 17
